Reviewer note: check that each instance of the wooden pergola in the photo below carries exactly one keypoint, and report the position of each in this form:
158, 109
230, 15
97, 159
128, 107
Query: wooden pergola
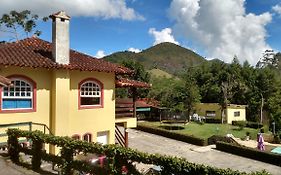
127, 108
133, 85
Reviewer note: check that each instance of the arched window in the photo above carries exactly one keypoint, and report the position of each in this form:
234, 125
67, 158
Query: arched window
19, 96
87, 137
90, 94
76, 137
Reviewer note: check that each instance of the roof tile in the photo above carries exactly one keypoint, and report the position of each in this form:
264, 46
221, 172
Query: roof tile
34, 52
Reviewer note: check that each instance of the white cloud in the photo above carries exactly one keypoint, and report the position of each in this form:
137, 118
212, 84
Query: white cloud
131, 49
222, 27
100, 54
277, 9
164, 35
91, 8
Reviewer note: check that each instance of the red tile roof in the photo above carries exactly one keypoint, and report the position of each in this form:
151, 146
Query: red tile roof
5, 81
36, 53
124, 82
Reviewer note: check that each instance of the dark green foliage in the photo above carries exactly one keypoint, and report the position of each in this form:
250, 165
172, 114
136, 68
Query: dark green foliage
118, 157
276, 139
240, 124
37, 152
250, 153
216, 138
13, 147
254, 125
212, 120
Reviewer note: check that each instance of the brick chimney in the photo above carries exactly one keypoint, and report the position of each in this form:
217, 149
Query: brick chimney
60, 37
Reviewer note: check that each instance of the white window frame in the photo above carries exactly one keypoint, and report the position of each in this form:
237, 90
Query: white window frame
90, 89
14, 86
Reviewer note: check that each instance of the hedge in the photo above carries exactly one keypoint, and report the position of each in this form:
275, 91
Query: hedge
216, 138
254, 125
117, 156
173, 135
250, 153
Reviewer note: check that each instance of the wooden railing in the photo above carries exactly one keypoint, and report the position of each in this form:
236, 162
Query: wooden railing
121, 138
124, 108
21, 125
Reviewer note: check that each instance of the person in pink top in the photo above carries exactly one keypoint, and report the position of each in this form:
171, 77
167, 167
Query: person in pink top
260, 141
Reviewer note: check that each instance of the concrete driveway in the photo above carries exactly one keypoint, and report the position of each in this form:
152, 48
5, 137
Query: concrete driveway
151, 143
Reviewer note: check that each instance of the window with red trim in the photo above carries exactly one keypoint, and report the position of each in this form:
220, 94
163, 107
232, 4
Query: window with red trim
76, 137
90, 94
87, 137
19, 96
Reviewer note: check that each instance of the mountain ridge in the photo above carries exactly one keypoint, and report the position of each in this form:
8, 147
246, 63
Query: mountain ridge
166, 56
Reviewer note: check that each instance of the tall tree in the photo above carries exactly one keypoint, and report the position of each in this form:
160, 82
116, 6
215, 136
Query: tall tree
20, 24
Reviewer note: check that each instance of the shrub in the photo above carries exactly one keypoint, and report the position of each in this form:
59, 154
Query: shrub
250, 153
215, 138
254, 125
116, 156
240, 124
212, 120
276, 139
249, 124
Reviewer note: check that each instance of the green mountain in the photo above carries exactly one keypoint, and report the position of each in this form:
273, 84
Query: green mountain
168, 57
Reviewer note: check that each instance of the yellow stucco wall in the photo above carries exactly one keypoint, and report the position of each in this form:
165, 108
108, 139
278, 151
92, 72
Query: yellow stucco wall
43, 85
57, 103
230, 114
95, 120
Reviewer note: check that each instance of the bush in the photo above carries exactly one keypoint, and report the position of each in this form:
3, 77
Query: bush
116, 156
254, 125
172, 135
276, 139
216, 138
240, 124
250, 153
212, 120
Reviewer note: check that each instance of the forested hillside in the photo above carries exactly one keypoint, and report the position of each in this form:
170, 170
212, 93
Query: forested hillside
168, 57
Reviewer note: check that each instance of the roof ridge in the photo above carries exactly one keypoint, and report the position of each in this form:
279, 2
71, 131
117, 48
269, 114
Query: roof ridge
36, 52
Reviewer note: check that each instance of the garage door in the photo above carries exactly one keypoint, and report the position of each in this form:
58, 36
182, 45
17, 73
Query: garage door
102, 137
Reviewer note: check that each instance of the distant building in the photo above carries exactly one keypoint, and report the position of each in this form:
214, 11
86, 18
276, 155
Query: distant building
212, 111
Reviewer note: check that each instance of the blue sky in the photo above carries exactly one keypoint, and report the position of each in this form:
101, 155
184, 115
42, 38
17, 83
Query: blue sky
214, 29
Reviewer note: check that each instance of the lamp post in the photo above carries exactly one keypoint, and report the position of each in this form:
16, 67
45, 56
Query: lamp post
273, 127
261, 107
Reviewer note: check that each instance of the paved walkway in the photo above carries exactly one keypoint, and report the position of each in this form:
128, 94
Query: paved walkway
9, 168
151, 143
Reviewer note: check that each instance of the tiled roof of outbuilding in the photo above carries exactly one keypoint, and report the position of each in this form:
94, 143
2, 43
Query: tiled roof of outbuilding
124, 82
37, 53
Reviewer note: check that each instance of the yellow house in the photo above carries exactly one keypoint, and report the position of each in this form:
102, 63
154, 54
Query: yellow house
56, 88
232, 112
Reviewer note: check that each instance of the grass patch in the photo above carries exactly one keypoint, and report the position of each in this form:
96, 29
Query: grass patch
206, 130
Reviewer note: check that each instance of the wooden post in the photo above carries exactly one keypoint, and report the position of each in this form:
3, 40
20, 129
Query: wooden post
126, 134
30, 126
134, 91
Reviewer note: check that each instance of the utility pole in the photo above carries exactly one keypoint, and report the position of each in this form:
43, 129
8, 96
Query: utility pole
262, 101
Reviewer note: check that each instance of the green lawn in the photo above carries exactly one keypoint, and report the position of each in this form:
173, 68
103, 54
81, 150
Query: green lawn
206, 130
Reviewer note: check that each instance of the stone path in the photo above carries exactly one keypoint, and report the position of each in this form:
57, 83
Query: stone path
8, 168
151, 143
